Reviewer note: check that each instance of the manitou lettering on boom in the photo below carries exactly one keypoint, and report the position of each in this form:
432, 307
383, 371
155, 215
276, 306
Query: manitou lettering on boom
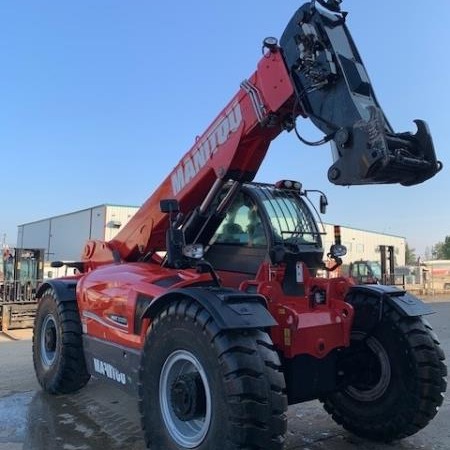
205, 148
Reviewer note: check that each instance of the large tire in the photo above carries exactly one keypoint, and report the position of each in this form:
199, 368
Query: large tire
398, 379
204, 388
57, 346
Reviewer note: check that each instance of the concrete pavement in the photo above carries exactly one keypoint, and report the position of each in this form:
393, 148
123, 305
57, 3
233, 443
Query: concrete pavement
103, 417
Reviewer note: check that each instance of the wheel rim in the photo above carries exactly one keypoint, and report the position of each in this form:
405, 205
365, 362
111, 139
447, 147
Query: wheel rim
49, 341
185, 399
375, 370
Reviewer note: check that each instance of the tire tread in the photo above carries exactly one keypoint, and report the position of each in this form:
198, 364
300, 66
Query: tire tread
71, 374
430, 372
252, 378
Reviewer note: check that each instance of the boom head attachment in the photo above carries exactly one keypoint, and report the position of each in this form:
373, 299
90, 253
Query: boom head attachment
334, 90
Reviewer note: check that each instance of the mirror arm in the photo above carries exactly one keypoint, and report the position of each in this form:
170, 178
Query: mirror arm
338, 262
204, 266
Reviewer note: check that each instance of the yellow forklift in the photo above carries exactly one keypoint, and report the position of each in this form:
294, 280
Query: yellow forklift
377, 272
22, 273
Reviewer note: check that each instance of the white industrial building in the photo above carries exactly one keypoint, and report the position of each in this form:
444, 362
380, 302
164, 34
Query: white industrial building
63, 237
365, 245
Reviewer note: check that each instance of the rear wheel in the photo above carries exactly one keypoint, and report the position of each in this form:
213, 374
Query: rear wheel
396, 379
57, 346
204, 388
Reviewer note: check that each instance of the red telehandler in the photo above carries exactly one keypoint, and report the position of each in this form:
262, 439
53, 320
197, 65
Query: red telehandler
217, 336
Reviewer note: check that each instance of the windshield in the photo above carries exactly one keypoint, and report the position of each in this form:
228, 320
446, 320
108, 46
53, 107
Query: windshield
289, 216
242, 225
375, 268
290, 219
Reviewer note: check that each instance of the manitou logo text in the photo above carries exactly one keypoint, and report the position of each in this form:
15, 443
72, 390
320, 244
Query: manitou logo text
109, 371
205, 148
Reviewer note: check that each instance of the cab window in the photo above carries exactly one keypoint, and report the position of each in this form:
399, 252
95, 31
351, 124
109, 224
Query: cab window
242, 225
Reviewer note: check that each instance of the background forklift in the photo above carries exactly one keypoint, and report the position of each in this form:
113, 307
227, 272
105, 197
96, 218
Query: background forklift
377, 272
21, 273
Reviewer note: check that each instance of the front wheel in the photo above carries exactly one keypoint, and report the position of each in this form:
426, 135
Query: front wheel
396, 379
204, 388
57, 346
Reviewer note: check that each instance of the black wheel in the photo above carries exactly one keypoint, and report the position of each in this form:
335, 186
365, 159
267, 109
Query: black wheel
204, 388
396, 379
57, 346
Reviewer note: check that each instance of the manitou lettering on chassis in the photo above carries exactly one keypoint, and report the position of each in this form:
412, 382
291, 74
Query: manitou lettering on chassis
205, 148
109, 371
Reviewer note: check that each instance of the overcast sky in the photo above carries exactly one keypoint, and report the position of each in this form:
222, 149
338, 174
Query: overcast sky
101, 98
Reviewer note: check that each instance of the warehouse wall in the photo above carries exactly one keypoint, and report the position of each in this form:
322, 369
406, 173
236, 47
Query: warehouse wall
116, 218
63, 237
34, 235
364, 245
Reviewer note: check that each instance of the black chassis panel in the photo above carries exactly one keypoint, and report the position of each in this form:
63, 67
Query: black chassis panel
113, 363
231, 309
65, 289
308, 378
405, 303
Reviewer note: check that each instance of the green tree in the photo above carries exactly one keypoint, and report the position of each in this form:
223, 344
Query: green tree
436, 250
441, 250
410, 255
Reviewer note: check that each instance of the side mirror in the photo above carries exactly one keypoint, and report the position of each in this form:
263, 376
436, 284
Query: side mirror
56, 264
169, 206
323, 204
74, 264
338, 250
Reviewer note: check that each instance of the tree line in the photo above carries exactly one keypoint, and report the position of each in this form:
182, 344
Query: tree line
440, 250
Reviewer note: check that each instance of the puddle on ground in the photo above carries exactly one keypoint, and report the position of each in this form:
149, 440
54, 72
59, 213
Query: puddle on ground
43, 422
13, 416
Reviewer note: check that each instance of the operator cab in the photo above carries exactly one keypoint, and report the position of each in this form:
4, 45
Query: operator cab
366, 272
266, 223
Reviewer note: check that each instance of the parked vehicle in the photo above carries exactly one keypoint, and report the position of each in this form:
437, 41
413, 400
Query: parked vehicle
217, 336
22, 273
